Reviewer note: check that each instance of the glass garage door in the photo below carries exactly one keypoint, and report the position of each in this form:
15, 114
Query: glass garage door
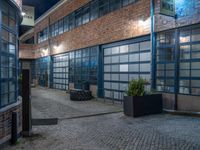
123, 62
41, 70
60, 71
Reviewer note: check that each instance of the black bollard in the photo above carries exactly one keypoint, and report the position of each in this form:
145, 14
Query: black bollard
26, 104
14, 128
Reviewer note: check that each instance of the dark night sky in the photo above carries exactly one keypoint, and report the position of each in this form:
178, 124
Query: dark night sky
41, 6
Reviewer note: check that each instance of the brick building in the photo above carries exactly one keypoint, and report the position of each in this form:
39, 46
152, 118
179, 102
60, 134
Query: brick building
107, 43
10, 12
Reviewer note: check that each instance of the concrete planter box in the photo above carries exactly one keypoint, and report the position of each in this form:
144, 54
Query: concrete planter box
137, 106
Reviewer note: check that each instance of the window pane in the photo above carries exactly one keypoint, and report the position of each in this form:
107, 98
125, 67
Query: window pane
60, 26
115, 77
107, 51
195, 65
124, 68
115, 86
4, 19
103, 7
78, 16
66, 24
184, 90
115, 68
195, 83
134, 67
4, 99
185, 36
12, 38
145, 46
11, 97
133, 77
115, 59
115, 4
196, 37
196, 91
71, 21
134, 47
94, 8
134, 57
5, 35
4, 46
145, 56
86, 14
4, 72
124, 49
115, 50
4, 87
123, 58
12, 24
124, 77
145, 67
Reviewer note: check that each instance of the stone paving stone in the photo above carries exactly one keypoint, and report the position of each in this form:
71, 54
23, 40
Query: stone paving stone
106, 132
117, 132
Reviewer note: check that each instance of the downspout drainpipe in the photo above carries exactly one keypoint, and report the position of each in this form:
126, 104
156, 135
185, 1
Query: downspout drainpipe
49, 53
153, 47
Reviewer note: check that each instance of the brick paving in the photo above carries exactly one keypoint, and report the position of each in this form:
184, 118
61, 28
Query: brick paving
116, 132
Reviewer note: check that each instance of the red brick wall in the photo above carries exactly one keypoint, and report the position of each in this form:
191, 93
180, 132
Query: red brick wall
27, 51
128, 22
189, 14
66, 9
6, 122
119, 25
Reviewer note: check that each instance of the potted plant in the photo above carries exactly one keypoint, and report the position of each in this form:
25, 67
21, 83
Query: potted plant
139, 103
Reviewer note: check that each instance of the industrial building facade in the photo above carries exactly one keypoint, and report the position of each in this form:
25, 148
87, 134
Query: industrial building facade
10, 16
107, 43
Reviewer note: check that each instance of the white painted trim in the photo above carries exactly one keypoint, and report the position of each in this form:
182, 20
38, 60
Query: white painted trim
25, 34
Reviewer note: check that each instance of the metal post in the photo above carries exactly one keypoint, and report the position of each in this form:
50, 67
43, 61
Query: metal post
26, 104
177, 55
153, 48
14, 128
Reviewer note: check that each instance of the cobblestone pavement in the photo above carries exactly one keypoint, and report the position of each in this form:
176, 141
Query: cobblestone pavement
116, 132
105, 132
50, 103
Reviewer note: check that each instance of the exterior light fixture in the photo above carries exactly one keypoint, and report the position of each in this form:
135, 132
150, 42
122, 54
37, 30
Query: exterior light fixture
23, 13
55, 47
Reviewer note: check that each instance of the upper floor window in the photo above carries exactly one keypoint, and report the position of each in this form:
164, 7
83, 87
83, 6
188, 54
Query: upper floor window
89, 12
8, 16
8, 57
43, 35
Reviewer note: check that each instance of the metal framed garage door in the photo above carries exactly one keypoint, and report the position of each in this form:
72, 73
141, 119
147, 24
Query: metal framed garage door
124, 61
41, 66
60, 71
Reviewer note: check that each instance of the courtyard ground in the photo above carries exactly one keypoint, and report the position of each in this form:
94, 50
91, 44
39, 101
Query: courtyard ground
109, 131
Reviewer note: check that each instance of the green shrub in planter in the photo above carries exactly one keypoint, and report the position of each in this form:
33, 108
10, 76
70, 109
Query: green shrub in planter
138, 102
136, 88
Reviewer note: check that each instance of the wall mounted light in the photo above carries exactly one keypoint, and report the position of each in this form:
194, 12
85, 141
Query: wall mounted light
23, 13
